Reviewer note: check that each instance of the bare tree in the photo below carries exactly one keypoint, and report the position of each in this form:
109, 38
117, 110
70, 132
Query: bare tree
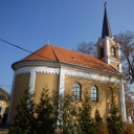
126, 41
129, 93
86, 48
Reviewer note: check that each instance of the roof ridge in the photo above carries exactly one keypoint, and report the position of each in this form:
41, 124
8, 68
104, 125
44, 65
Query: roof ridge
73, 51
54, 53
58, 54
35, 53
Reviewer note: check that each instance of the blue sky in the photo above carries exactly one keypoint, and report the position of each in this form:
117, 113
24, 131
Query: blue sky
65, 23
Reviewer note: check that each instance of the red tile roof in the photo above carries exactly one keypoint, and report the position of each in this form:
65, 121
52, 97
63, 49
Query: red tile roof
54, 53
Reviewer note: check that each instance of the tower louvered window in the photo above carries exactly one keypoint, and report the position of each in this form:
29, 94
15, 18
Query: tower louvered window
102, 52
113, 51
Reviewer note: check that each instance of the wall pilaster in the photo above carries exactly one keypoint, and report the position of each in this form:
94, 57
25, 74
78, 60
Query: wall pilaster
123, 104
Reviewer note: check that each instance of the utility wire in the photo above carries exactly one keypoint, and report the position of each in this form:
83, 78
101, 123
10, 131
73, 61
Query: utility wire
22, 48
16, 46
4, 86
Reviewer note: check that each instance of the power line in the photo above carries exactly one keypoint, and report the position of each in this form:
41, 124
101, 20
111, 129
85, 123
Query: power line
15, 45
5, 86
21, 48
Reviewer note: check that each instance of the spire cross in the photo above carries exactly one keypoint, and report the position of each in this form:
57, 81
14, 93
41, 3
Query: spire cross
105, 4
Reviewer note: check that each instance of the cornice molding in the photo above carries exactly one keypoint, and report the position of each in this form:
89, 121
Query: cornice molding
106, 38
37, 70
93, 76
69, 72
52, 64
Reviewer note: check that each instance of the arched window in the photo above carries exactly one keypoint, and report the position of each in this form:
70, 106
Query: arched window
94, 94
102, 52
113, 51
77, 91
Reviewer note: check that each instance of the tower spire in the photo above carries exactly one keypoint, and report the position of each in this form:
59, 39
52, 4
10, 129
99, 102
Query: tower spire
106, 30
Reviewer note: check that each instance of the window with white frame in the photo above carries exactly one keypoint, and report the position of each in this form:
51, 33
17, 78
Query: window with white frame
94, 94
77, 91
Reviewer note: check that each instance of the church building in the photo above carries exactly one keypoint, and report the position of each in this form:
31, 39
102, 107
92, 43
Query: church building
64, 70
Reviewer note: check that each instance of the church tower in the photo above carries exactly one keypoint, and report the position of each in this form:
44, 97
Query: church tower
107, 47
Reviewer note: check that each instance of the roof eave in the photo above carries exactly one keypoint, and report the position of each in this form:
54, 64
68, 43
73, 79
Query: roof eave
59, 64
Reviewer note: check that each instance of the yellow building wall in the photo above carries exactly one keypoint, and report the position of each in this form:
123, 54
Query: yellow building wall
43, 80
115, 64
21, 83
52, 83
104, 93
